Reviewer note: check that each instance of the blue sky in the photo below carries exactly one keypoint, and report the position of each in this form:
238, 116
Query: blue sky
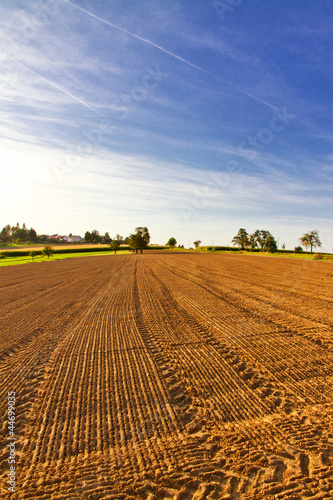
191, 118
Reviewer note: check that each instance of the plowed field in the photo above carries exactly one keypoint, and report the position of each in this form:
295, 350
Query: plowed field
174, 376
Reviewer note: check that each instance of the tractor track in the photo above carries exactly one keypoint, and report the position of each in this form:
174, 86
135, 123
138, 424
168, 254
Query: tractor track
169, 376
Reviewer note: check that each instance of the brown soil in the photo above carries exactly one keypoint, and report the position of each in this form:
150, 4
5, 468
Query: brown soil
174, 376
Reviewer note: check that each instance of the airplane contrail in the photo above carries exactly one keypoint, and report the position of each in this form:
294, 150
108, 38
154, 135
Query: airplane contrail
135, 36
165, 51
51, 83
252, 96
260, 100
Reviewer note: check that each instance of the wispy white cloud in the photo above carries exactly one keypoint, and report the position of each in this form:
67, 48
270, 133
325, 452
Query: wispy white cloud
49, 82
109, 182
166, 143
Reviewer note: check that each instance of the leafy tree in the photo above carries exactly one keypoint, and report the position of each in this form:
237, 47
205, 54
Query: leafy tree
107, 238
140, 239
21, 234
48, 251
93, 237
298, 249
241, 239
311, 239
252, 242
133, 242
114, 246
283, 246
270, 244
32, 254
43, 238
196, 243
96, 237
264, 240
119, 239
260, 236
32, 235
87, 237
5, 234
172, 242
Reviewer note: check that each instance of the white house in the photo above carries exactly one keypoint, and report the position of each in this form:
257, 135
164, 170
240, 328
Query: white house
75, 239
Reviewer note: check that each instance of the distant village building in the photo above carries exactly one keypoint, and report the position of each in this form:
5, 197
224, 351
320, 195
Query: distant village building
75, 239
67, 239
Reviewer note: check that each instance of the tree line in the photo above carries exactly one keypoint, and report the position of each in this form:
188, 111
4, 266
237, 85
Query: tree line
261, 239
18, 234
265, 241
137, 241
95, 237
13, 234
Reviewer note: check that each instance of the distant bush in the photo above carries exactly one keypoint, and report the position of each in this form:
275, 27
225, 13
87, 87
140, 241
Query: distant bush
47, 251
32, 254
318, 256
172, 242
114, 246
298, 249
